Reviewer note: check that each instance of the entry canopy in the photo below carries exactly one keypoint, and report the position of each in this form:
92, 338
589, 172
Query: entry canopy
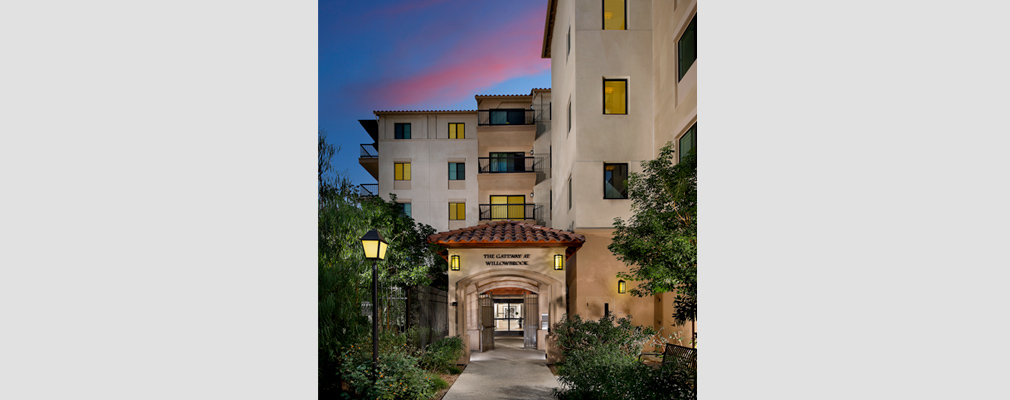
508, 234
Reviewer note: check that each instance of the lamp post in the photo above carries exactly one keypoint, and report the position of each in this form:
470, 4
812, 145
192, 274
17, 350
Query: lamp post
375, 249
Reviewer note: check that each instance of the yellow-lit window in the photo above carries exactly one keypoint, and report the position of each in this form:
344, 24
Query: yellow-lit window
615, 96
457, 211
613, 14
457, 131
402, 171
508, 207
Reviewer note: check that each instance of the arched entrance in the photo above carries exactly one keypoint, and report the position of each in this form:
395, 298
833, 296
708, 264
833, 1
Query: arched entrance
500, 255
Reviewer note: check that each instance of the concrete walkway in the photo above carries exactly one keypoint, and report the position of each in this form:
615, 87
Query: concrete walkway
505, 373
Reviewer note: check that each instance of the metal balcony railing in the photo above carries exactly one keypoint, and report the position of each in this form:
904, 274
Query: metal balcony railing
498, 212
512, 116
368, 150
369, 189
510, 164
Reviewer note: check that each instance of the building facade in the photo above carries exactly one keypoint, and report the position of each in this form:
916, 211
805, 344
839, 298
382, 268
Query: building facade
624, 74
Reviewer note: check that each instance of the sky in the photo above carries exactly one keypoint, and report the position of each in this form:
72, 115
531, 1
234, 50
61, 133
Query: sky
420, 55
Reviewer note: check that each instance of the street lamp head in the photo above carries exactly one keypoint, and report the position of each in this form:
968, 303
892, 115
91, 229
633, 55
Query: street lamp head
374, 245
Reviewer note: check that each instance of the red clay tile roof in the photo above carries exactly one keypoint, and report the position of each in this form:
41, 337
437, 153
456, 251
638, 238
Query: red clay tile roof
377, 112
509, 234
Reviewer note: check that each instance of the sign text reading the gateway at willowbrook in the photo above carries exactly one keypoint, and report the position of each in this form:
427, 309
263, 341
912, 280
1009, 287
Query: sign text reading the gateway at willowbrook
506, 259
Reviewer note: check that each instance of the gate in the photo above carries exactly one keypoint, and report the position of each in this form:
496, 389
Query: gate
531, 311
486, 322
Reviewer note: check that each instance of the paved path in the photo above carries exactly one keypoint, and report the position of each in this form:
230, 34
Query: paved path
508, 372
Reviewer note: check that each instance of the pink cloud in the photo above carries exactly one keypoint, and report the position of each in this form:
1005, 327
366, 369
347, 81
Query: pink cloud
482, 61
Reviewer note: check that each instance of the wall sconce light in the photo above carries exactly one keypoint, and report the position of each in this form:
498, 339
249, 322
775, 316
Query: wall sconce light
531, 194
454, 262
531, 152
559, 262
621, 286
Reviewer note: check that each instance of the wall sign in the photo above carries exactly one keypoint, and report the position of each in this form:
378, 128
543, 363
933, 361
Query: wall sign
506, 259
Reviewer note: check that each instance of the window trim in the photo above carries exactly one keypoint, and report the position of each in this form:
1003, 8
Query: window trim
461, 125
626, 105
626, 173
603, 16
399, 124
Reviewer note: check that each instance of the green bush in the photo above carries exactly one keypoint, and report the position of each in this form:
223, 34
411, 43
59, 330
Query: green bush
600, 362
399, 374
443, 354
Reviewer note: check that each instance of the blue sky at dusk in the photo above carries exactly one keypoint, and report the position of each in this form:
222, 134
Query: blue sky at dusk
420, 55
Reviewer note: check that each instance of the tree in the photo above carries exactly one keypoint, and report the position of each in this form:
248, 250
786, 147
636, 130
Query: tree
660, 241
344, 274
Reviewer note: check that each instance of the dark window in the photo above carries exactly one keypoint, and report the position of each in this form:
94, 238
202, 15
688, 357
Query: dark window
615, 96
569, 116
457, 171
687, 142
508, 117
402, 131
568, 47
507, 162
615, 181
613, 14
687, 47
569, 193
405, 208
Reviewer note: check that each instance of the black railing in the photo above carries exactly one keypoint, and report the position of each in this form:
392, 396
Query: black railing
509, 164
369, 189
498, 212
368, 150
512, 116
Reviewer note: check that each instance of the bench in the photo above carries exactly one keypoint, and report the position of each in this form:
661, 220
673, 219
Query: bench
675, 353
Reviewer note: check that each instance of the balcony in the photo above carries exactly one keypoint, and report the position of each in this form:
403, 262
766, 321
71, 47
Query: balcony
368, 189
504, 165
499, 212
368, 150
515, 116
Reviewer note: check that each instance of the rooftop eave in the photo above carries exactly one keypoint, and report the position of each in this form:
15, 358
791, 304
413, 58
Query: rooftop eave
549, 29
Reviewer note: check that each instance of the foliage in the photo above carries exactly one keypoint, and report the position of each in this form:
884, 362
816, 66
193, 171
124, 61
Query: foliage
660, 241
443, 354
600, 362
399, 376
345, 276
574, 333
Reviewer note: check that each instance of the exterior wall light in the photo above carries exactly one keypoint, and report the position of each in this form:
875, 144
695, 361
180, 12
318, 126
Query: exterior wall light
559, 262
454, 262
375, 250
621, 286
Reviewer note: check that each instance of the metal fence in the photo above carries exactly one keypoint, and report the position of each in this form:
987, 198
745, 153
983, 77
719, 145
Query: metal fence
421, 312
510, 116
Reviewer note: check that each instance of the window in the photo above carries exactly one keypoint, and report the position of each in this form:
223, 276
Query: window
402, 131
402, 171
687, 47
457, 171
515, 116
568, 41
508, 162
615, 96
569, 115
613, 14
456, 130
569, 193
457, 211
508, 207
405, 208
615, 181
687, 142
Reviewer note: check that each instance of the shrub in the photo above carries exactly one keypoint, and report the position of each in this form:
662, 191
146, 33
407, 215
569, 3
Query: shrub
600, 362
443, 354
399, 374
